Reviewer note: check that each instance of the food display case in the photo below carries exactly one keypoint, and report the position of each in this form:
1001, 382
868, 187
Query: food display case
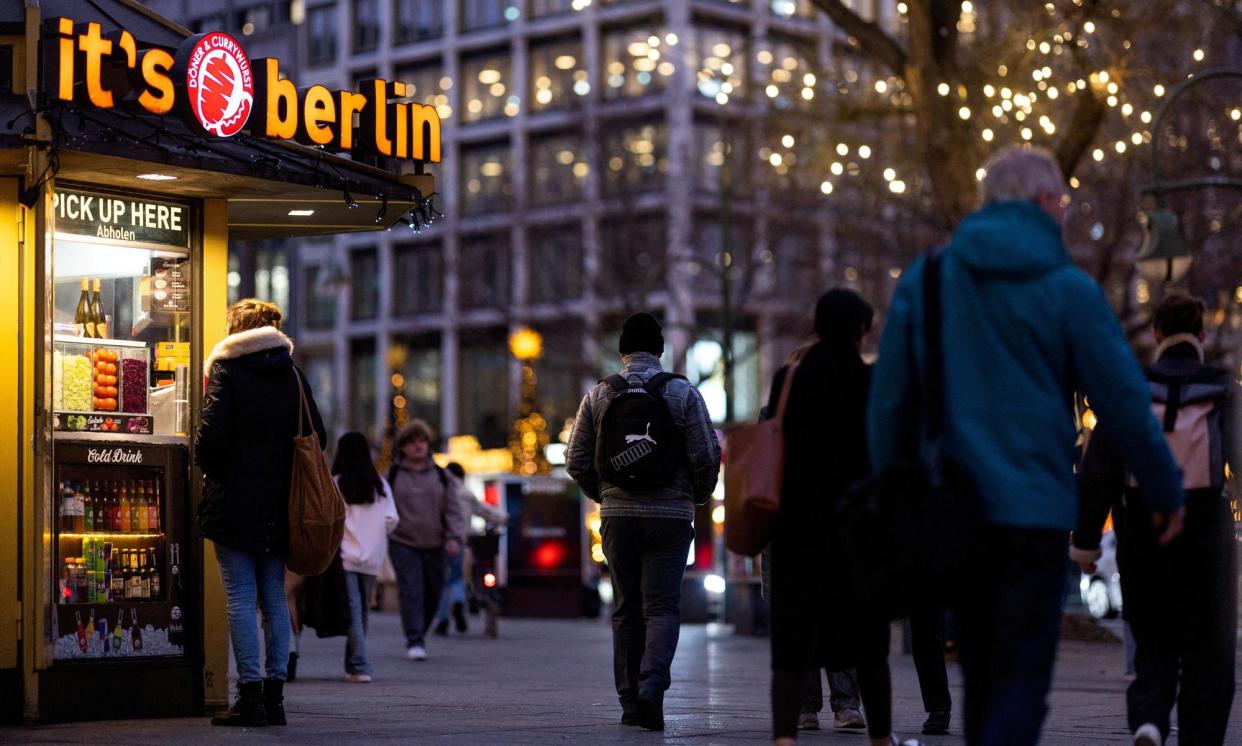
100, 385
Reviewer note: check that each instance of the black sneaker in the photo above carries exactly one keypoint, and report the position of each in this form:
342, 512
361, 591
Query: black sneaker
937, 724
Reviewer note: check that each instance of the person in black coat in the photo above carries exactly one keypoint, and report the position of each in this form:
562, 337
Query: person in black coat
244, 447
814, 620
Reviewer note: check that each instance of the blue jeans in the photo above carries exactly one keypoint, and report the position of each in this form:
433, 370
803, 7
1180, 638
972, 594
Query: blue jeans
254, 581
420, 579
455, 589
359, 587
1008, 623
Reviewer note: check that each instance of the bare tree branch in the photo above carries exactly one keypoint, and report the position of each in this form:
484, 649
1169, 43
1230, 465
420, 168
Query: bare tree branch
874, 41
1084, 124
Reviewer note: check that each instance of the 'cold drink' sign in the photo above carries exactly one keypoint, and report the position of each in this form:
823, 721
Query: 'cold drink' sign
116, 218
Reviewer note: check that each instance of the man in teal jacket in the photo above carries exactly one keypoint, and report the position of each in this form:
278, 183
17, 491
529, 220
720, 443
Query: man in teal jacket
1022, 331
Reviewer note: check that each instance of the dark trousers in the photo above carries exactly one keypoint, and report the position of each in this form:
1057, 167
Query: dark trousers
420, 580
927, 645
1008, 622
1181, 602
842, 691
646, 561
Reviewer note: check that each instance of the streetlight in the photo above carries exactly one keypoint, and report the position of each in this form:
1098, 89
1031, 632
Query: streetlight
1163, 256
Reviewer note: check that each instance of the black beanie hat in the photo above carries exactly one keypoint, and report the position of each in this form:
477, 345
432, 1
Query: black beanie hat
641, 333
841, 315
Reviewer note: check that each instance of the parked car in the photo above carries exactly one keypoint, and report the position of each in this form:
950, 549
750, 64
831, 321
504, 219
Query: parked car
1101, 590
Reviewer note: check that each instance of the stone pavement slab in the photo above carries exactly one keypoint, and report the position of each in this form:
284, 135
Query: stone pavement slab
549, 681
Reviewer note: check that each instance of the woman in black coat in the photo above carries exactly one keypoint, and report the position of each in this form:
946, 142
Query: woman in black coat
244, 447
815, 621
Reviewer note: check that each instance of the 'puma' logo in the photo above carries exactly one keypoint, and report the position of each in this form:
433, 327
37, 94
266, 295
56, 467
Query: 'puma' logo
645, 436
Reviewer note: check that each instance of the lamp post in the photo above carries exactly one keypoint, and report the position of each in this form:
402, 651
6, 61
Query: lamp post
1163, 256
529, 439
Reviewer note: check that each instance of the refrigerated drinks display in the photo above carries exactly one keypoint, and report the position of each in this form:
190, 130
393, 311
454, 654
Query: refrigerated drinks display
119, 536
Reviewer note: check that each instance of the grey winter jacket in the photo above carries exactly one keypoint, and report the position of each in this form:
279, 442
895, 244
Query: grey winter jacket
695, 479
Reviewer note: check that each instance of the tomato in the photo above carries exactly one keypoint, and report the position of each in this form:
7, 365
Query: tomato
110, 369
96, 402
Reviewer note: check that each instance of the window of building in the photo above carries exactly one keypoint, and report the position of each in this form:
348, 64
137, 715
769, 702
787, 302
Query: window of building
482, 14
790, 268
709, 249
554, 263
483, 280
558, 168
319, 367
415, 20
637, 61
486, 178
363, 284
366, 18
363, 358
800, 158
559, 373
483, 386
705, 369
541, 8
213, 22
784, 72
792, 8
320, 301
366, 73
634, 257
485, 92
321, 35
427, 84
418, 279
719, 56
271, 276
558, 74
635, 157
420, 377
255, 20
710, 160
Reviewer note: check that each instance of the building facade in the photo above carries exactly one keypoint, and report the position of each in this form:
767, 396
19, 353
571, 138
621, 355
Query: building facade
600, 157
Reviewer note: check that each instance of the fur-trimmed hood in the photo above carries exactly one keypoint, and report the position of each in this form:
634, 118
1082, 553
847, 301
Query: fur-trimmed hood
244, 343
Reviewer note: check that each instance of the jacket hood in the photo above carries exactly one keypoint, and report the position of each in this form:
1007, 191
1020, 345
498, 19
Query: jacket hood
268, 339
1010, 239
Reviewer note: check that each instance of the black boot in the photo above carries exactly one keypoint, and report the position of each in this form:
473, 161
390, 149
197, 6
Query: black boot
274, 701
459, 617
291, 670
248, 710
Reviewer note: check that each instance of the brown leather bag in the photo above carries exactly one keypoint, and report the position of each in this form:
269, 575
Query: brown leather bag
316, 508
754, 476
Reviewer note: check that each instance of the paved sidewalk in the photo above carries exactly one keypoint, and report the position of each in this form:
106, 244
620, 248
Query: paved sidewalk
549, 682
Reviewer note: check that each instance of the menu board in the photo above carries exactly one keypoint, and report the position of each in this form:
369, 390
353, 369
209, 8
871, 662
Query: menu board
170, 285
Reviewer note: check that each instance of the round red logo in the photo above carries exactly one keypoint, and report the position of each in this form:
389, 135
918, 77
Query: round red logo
219, 84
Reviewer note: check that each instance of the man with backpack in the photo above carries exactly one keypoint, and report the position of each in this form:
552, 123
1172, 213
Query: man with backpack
643, 446
1181, 598
430, 526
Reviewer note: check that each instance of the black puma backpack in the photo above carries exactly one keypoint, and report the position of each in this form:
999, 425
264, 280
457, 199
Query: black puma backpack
639, 445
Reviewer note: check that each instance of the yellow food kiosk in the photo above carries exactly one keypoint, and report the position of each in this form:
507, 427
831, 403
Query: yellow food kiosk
130, 153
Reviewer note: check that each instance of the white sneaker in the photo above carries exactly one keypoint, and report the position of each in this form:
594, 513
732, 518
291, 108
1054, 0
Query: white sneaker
416, 653
1148, 735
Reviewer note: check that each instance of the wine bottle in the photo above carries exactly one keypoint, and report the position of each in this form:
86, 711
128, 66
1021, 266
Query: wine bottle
155, 577
88, 508
135, 632
97, 314
115, 507
141, 512
82, 316
153, 507
126, 511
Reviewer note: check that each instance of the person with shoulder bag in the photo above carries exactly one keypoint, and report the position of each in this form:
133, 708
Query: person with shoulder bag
370, 516
245, 448
644, 447
816, 622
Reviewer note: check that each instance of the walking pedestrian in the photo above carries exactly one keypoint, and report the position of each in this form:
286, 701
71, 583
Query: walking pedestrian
1201, 409
816, 621
643, 446
453, 598
927, 647
430, 526
244, 447
1021, 330
370, 516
